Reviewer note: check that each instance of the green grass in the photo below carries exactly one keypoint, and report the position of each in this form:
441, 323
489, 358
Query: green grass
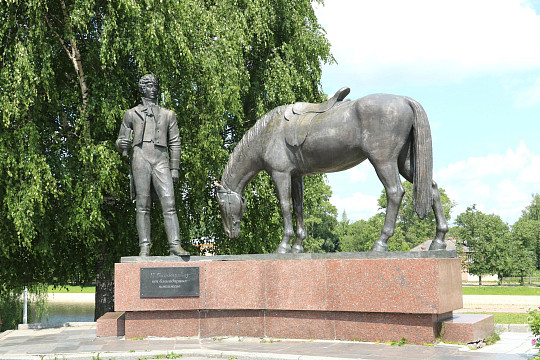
72, 289
505, 318
501, 290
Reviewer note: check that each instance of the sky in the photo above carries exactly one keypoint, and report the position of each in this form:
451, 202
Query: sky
474, 65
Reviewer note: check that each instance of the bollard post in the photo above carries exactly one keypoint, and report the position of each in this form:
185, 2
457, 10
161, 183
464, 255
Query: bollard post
25, 306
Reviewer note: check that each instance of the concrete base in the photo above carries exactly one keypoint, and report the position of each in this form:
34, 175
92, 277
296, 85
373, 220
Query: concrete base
465, 328
337, 296
324, 325
457, 328
111, 324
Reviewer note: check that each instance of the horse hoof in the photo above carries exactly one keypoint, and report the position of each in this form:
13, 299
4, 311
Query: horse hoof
283, 249
379, 246
297, 249
437, 245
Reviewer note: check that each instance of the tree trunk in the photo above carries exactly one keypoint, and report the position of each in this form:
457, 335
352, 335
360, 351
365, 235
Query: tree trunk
76, 59
479, 280
104, 300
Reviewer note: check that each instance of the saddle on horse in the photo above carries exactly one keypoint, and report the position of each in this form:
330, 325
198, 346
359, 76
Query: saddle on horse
299, 116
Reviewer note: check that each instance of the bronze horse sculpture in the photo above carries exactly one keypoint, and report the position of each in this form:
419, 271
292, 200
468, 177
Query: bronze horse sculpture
292, 141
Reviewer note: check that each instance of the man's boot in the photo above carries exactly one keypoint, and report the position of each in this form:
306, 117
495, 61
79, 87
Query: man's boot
142, 209
172, 228
145, 250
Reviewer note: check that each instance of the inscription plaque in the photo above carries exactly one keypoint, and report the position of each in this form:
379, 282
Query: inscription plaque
169, 282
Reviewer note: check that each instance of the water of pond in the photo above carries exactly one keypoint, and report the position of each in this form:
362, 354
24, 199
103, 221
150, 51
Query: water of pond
68, 312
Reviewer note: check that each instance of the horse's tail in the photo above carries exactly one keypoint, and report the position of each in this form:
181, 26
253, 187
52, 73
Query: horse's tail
422, 160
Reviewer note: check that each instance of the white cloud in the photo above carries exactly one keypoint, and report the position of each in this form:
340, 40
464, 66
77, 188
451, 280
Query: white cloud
531, 173
358, 205
431, 40
475, 190
498, 183
510, 193
489, 165
528, 95
361, 172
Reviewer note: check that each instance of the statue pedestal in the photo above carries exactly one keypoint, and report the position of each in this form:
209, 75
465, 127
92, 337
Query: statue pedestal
342, 296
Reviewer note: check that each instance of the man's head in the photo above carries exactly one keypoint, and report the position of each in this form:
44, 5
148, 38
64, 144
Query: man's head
149, 86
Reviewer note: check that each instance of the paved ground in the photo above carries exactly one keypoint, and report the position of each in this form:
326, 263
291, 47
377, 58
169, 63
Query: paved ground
80, 342
509, 303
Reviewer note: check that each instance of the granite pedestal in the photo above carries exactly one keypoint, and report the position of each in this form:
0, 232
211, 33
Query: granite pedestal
347, 296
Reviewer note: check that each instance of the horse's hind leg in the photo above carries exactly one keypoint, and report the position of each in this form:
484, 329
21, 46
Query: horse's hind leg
441, 224
442, 227
282, 181
298, 206
388, 173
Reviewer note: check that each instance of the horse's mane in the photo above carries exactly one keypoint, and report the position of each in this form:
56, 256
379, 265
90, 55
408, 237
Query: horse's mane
246, 144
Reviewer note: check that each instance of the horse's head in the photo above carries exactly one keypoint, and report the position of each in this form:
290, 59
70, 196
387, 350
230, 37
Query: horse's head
232, 205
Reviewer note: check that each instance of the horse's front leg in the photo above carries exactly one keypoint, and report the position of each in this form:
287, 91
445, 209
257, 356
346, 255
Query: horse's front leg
298, 206
282, 181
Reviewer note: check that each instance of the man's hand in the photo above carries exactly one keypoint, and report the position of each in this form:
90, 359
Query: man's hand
174, 174
124, 144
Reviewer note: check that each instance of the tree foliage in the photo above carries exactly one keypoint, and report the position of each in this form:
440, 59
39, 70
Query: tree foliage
68, 71
320, 216
482, 234
360, 235
493, 247
527, 229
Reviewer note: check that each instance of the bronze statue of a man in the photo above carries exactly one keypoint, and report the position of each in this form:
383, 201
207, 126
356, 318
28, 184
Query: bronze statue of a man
155, 133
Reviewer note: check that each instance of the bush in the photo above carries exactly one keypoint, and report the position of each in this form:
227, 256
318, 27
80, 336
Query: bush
11, 308
534, 323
